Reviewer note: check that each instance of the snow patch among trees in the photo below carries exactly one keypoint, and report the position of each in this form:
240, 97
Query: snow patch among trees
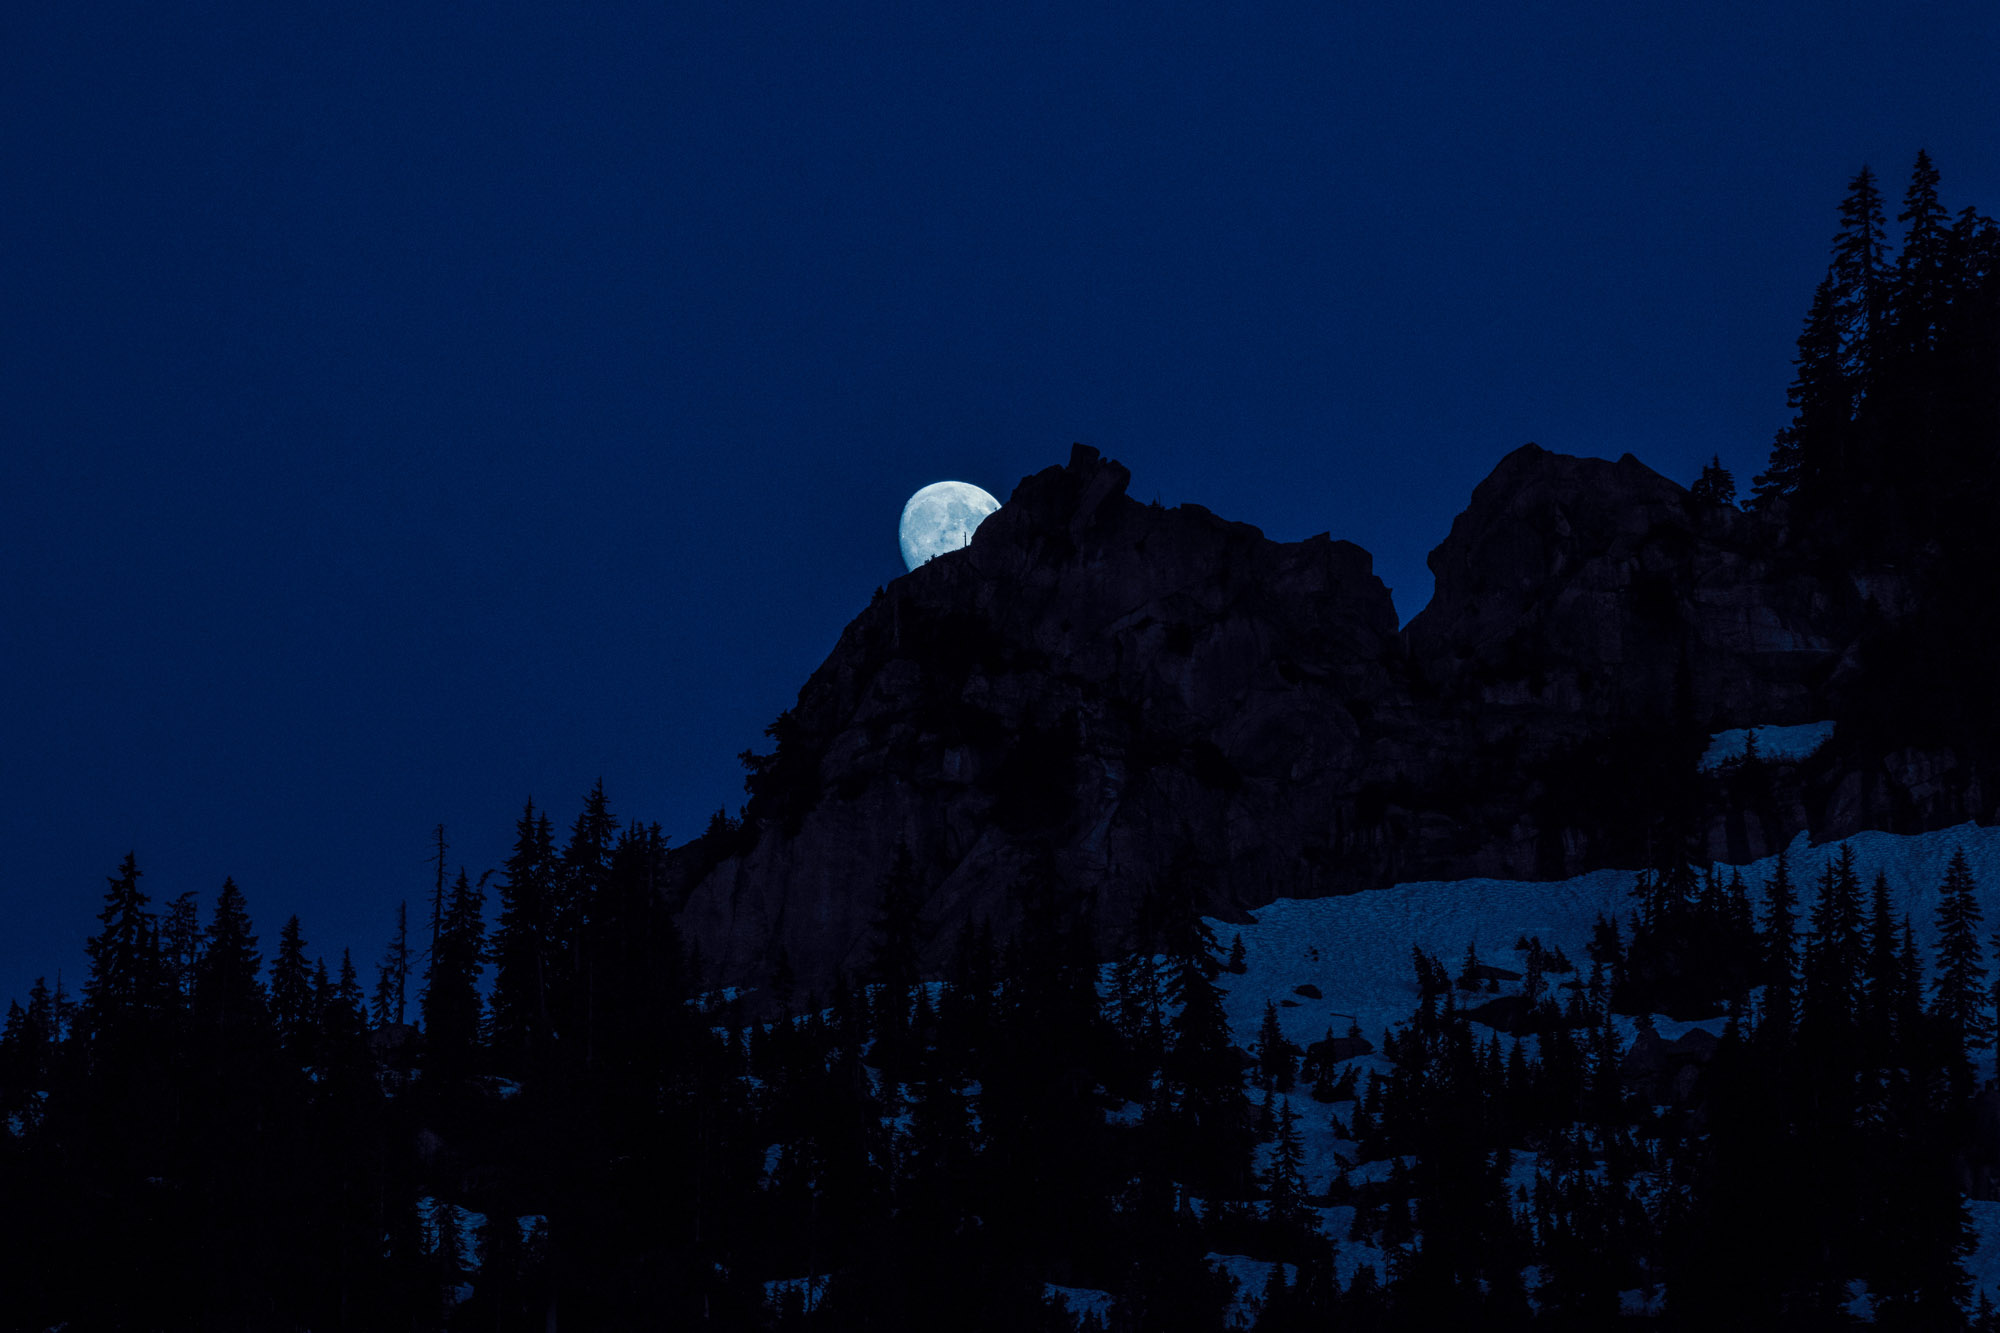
1780, 744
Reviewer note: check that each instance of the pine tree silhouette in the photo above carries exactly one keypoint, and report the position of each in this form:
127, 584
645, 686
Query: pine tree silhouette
392, 979
292, 992
1958, 993
1780, 1018
526, 953
125, 987
451, 1003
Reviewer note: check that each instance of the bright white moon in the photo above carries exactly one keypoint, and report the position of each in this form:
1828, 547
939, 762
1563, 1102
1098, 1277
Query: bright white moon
941, 517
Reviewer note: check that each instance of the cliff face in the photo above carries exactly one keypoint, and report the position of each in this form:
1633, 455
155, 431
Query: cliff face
1095, 688
1090, 687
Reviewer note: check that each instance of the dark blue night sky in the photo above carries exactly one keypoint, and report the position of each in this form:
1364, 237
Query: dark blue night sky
408, 412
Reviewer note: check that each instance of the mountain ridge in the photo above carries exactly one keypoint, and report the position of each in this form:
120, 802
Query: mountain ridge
1096, 692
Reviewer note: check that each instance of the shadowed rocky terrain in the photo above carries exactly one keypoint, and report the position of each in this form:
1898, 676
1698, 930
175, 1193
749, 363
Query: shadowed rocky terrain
1096, 690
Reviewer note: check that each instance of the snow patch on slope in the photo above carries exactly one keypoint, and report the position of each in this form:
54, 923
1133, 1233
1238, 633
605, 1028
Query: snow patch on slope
1781, 744
1081, 1301
1983, 1264
1355, 949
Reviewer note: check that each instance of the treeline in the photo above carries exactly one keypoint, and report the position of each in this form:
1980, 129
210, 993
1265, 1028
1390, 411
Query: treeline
1896, 400
1890, 464
206, 1141
1804, 1164
202, 1139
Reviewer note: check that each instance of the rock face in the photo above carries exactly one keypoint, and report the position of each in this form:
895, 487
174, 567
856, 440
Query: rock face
1090, 688
1589, 591
1096, 689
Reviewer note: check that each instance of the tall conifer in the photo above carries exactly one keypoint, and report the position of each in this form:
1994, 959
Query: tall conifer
1920, 283
1781, 960
524, 945
451, 1005
1958, 991
126, 979
292, 991
392, 979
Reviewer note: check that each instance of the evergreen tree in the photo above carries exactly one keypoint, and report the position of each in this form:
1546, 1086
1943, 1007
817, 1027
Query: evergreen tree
1835, 954
1861, 275
1880, 1010
348, 1014
584, 870
447, 1248
292, 992
126, 984
451, 1006
228, 994
525, 952
1781, 958
180, 943
1958, 995
1804, 457
392, 979
39, 1036
1284, 1185
1203, 1071
1920, 287
1275, 1055
1715, 487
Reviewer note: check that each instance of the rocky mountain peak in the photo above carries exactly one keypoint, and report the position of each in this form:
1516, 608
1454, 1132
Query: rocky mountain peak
1096, 689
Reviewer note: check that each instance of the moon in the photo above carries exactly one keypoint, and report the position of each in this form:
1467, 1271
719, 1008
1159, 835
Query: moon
940, 518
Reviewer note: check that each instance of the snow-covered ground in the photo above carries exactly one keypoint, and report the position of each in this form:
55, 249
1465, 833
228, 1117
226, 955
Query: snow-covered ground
1783, 744
810, 1290
1983, 1264
1356, 949
1082, 1301
1355, 952
1250, 1275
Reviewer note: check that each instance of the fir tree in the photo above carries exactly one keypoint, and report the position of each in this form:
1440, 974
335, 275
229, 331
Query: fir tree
525, 951
1781, 956
1804, 455
1958, 993
1284, 1184
1834, 957
1879, 1011
1715, 487
1203, 1070
1920, 285
126, 982
1861, 274
392, 979
228, 994
447, 1250
451, 1006
584, 870
292, 992
1275, 1055
180, 944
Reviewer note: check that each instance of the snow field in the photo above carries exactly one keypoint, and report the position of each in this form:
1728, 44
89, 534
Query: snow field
1356, 951
1780, 744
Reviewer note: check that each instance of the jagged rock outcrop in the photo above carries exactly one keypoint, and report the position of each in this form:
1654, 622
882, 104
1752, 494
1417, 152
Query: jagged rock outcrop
1090, 689
1578, 591
1097, 689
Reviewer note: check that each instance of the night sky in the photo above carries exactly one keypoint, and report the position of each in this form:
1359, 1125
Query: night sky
410, 409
